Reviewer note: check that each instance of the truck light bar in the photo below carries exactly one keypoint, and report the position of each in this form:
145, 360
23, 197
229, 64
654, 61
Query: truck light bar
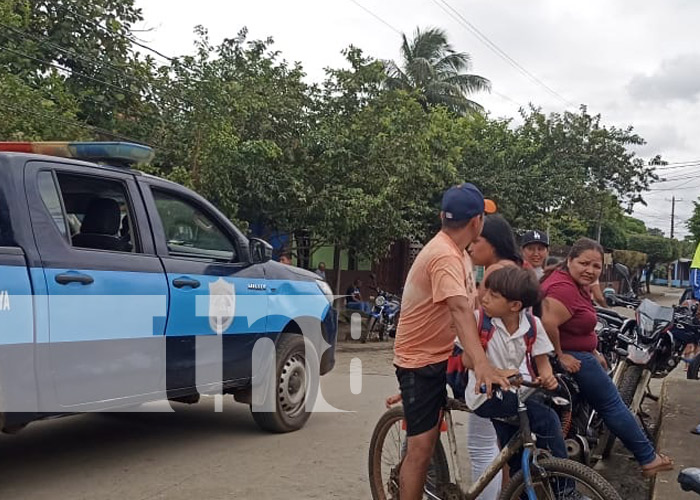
108, 152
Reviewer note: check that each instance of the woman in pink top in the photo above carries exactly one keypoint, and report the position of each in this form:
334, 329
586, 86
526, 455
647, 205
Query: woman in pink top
569, 318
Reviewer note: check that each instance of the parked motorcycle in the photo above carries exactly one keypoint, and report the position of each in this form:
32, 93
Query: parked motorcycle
629, 298
384, 317
610, 328
654, 348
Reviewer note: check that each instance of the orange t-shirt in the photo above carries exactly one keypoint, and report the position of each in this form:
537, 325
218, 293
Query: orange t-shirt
425, 333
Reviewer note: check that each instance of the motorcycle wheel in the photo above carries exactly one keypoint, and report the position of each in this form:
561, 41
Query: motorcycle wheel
694, 369
372, 326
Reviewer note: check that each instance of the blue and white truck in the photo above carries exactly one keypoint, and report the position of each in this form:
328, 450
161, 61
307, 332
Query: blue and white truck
118, 288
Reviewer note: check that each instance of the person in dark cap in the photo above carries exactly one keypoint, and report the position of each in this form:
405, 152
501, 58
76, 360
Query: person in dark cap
439, 299
535, 247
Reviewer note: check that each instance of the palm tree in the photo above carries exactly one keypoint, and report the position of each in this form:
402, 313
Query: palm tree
431, 68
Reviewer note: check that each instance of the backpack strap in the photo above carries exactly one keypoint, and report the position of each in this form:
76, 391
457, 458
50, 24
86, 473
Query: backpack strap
530, 338
486, 328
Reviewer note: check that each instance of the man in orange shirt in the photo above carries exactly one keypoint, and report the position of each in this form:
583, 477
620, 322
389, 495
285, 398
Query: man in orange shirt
438, 304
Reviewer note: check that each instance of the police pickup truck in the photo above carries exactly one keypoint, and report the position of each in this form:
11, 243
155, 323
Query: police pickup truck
118, 288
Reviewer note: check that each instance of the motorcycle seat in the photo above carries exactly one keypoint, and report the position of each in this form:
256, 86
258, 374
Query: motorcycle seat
610, 313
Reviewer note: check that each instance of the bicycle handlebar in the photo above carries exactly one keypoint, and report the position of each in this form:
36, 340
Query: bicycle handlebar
516, 380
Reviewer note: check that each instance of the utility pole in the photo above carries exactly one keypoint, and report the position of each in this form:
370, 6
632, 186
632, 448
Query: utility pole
673, 220
673, 213
673, 201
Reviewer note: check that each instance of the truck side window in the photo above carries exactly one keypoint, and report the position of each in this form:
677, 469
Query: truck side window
191, 233
5, 228
52, 201
98, 213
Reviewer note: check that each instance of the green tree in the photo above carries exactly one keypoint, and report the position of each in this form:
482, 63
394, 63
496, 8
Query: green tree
432, 70
659, 251
380, 164
693, 223
83, 48
633, 226
687, 247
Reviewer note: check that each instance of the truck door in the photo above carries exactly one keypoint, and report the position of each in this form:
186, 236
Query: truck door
218, 302
107, 293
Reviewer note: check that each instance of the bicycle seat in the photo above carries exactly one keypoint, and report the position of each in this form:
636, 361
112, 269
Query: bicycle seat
689, 479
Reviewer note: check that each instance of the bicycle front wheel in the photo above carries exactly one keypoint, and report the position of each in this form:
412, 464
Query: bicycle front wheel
562, 479
387, 448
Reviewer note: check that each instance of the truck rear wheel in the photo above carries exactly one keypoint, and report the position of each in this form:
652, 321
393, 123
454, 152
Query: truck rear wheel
296, 388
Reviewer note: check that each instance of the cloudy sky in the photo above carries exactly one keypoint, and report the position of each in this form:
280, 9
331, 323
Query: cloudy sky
635, 62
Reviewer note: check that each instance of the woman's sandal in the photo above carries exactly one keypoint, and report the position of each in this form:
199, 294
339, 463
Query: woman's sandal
665, 465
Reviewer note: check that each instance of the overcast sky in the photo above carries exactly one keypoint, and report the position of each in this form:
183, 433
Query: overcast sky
635, 62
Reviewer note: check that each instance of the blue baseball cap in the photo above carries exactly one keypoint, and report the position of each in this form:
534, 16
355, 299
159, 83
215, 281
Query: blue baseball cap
464, 202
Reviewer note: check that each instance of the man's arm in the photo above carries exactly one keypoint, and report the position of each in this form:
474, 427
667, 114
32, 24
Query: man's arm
462, 312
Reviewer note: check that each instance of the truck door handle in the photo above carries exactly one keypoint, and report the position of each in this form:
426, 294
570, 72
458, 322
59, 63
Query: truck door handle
67, 278
183, 282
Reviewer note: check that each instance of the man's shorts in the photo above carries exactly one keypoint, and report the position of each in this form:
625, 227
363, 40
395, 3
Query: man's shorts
424, 395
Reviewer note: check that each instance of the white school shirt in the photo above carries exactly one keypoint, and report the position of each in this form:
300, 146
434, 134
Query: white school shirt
507, 351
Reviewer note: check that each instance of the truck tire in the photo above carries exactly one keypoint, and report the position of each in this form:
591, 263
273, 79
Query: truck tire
295, 390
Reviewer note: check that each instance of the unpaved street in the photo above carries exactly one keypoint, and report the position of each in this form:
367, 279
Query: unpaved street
197, 453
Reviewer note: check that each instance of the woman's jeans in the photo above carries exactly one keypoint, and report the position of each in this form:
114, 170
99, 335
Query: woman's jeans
600, 392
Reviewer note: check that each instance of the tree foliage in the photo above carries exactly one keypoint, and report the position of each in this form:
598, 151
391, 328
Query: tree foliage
693, 223
358, 160
436, 73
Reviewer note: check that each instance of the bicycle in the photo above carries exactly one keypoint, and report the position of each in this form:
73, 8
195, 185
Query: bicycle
541, 475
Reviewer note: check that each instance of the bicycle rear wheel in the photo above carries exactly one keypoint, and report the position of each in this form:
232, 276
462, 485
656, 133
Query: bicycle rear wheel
562, 479
386, 449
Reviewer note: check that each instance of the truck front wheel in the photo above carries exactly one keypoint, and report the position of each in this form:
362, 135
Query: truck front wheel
296, 386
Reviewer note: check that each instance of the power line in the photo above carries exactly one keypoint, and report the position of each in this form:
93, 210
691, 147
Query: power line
72, 71
455, 14
397, 31
88, 77
73, 123
385, 23
121, 35
43, 40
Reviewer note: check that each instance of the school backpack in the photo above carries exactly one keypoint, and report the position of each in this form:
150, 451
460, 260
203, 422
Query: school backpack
487, 329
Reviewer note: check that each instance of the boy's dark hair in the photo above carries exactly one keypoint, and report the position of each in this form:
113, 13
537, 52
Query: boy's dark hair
515, 283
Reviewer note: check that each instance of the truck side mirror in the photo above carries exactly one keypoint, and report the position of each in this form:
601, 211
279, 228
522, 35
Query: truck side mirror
260, 250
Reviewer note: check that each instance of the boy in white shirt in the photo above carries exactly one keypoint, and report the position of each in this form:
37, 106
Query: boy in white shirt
510, 335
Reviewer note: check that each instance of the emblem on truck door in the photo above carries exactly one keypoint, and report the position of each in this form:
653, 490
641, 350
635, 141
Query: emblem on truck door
222, 305
257, 286
4, 300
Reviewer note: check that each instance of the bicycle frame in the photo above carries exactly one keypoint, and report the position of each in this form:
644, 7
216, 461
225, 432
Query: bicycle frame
522, 440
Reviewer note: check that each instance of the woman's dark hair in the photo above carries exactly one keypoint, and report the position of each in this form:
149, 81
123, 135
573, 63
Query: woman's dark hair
515, 283
581, 245
499, 234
